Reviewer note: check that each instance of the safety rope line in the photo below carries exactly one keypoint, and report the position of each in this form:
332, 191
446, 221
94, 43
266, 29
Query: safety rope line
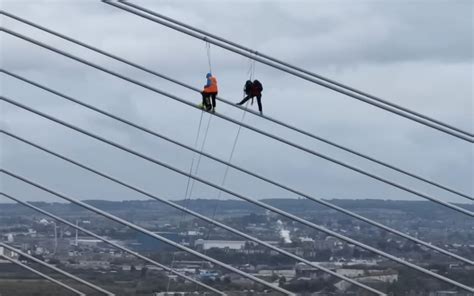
251, 74
196, 170
183, 217
224, 178
189, 188
208, 51
251, 68
200, 155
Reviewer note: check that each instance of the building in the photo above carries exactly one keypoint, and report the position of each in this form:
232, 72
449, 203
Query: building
202, 244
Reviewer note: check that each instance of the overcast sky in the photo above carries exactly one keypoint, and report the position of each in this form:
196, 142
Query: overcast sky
418, 54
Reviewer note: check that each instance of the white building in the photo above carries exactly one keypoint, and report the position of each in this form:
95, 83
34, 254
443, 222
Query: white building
219, 244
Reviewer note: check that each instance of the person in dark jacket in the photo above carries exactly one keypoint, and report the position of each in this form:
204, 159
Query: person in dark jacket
253, 90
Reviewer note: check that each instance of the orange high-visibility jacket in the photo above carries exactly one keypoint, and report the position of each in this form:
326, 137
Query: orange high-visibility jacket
212, 88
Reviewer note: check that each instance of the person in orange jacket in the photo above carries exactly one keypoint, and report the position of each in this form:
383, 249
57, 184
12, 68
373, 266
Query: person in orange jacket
209, 93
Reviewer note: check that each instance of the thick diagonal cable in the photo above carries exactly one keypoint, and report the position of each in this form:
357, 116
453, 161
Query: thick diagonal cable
147, 232
253, 201
107, 241
295, 73
280, 139
306, 133
58, 270
193, 213
39, 273
257, 53
228, 164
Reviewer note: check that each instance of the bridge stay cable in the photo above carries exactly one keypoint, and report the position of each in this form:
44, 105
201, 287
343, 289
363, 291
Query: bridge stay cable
260, 131
299, 69
201, 153
191, 212
240, 125
147, 232
109, 242
253, 201
442, 129
276, 121
42, 275
58, 270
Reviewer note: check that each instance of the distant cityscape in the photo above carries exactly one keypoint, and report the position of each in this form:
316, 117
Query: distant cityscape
100, 263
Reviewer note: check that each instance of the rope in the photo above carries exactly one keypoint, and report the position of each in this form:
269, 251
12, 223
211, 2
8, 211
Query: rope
190, 184
224, 178
183, 215
208, 51
216, 203
199, 161
251, 68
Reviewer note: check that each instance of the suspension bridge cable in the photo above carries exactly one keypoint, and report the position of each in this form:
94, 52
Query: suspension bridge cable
280, 139
255, 202
107, 241
193, 213
46, 277
295, 73
257, 53
58, 270
306, 133
147, 232
228, 164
